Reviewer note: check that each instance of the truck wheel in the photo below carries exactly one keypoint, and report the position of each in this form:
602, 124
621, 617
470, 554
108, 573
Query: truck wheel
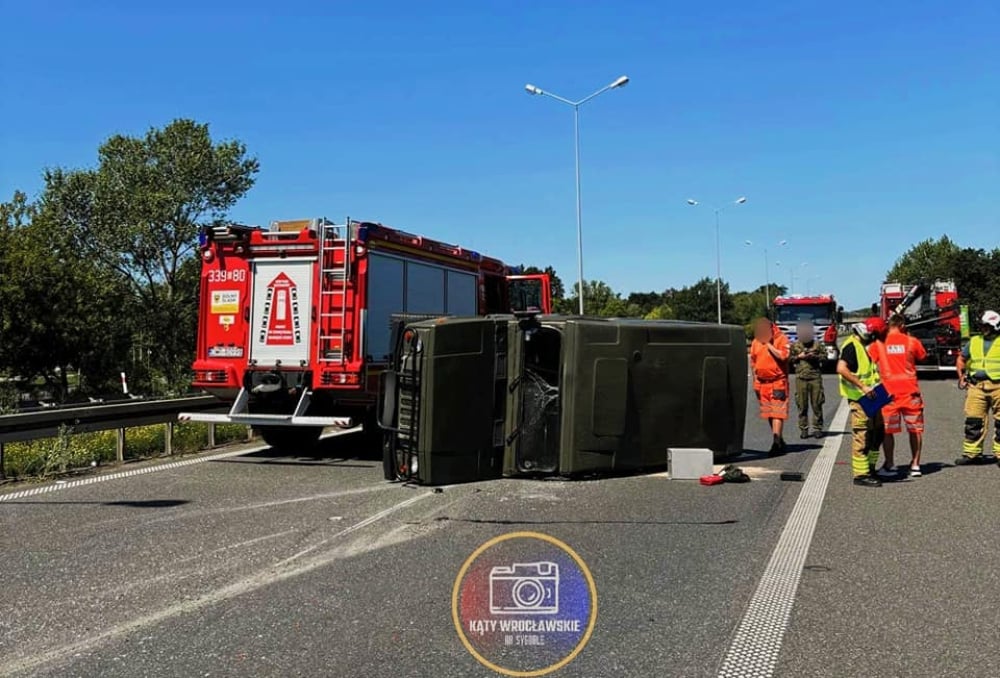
291, 438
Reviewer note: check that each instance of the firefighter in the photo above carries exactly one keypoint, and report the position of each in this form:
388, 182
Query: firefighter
897, 359
769, 361
858, 376
979, 372
807, 356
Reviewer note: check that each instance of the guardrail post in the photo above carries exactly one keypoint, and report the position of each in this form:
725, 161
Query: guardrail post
168, 439
120, 447
2, 475
249, 438
211, 434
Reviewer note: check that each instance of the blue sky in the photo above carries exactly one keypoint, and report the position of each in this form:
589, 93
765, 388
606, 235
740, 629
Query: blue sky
855, 129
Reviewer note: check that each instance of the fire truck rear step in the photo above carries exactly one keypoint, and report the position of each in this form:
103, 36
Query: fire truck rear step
238, 414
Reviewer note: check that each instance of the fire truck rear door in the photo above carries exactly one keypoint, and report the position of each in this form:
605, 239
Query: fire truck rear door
281, 315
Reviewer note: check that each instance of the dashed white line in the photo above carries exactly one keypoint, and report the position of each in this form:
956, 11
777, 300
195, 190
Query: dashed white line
757, 643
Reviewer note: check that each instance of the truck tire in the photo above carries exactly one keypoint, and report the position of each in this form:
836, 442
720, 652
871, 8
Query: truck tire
291, 438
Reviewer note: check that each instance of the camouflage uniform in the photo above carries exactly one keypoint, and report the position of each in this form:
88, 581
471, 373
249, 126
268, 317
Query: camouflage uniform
809, 383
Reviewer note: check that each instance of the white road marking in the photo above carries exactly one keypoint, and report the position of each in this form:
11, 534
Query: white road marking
757, 643
278, 572
65, 485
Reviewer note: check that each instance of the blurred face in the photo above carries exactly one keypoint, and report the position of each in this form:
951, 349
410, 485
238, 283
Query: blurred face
762, 330
805, 332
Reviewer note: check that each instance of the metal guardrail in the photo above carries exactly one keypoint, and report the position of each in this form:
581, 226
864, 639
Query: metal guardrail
83, 419
48, 422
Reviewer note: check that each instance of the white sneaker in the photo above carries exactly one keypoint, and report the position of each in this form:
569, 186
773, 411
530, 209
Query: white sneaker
886, 472
915, 472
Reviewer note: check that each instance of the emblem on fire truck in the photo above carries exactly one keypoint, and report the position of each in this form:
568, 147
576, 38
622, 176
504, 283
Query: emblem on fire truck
280, 319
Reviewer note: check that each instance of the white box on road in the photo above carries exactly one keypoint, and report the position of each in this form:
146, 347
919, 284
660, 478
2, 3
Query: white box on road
689, 463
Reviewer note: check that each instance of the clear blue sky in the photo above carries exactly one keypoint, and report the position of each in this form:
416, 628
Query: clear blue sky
854, 128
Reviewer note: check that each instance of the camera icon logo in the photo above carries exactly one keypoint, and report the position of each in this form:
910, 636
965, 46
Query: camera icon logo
524, 588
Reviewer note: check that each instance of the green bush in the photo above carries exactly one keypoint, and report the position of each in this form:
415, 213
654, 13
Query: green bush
47, 457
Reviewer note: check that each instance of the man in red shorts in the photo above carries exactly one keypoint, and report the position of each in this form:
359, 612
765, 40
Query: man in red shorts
897, 358
769, 361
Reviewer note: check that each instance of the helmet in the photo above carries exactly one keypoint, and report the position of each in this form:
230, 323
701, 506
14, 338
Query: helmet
991, 319
861, 329
876, 326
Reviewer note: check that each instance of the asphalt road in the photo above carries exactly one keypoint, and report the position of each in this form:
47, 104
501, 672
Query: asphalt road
287, 566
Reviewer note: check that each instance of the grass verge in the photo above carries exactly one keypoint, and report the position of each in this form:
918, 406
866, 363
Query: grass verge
48, 457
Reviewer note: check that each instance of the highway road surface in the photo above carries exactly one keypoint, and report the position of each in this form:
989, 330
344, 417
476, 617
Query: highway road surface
256, 564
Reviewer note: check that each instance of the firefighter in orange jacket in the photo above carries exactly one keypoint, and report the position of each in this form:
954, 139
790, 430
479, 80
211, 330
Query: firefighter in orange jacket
769, 361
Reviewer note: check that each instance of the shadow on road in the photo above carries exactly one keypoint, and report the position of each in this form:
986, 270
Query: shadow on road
337, 451
147, 503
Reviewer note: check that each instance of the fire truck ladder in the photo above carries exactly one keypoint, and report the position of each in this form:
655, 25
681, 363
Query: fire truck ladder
335, 273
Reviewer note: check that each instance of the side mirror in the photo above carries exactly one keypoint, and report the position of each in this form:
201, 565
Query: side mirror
874, 309
840, 316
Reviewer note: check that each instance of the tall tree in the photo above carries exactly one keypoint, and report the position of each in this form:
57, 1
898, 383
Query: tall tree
57, 308
598, 300
646, 301
699, 302
138, 214
929, 259
977, 276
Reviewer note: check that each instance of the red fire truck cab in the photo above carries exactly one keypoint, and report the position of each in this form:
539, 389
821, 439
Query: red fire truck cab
295, 321
821, 311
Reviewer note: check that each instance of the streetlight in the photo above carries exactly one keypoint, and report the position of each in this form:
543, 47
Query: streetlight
718, 253
791, 275
538, 91
809, 280
767, 276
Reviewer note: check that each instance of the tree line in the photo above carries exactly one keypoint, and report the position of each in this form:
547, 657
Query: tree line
99, 273
697, 302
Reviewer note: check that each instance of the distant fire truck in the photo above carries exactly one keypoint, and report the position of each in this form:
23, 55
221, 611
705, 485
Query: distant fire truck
821, 310
932, 315
295, 321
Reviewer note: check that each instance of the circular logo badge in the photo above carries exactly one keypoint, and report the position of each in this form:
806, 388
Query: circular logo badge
524, 604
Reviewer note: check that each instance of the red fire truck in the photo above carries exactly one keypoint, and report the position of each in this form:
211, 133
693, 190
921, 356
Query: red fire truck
932, 315
295, 321
821, 310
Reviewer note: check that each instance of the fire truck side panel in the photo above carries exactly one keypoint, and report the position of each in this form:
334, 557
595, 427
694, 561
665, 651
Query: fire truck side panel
281, 313
222, 325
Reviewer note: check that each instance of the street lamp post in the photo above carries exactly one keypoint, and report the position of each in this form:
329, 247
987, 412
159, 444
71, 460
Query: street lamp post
767, 273
791, 275
718, 254
537, 91
809, 280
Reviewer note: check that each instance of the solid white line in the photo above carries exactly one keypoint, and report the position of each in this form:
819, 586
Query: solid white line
755, 648
60, 485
